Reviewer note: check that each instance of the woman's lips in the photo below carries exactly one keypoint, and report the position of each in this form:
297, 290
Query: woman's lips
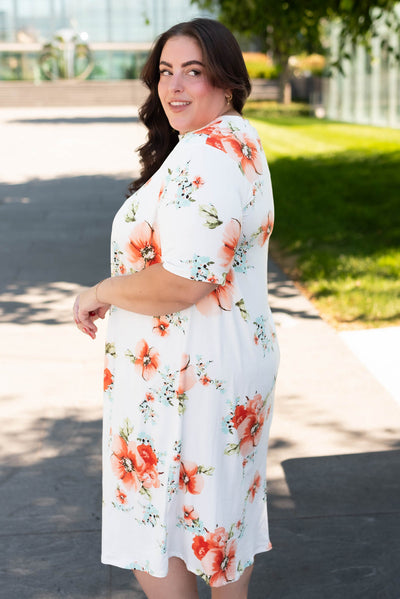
178, 105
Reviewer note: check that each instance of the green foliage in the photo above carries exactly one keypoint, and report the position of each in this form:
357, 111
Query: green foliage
337, 214
261, 70
290, 28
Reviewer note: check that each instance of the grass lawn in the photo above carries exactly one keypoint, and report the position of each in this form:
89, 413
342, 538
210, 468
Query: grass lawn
337, 202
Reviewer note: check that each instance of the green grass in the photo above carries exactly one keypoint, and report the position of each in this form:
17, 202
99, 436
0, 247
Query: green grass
337, 201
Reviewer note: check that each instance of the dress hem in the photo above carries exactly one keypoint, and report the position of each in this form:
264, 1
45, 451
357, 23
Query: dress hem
110, 562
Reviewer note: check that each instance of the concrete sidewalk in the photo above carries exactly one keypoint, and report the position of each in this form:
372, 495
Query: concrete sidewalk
334, 452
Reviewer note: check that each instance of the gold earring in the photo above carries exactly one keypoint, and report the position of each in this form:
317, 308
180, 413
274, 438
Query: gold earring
228, 99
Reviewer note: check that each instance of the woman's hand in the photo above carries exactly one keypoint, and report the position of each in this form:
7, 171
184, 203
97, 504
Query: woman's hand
87, 309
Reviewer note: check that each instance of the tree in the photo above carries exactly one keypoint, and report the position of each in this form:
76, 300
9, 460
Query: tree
291, 27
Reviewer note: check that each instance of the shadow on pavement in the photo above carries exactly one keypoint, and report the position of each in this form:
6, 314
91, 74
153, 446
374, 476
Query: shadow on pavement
329, 545
55, 234
52, 230
327, 535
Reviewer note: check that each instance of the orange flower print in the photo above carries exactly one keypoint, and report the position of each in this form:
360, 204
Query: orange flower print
134, 465
216, 141
210, 129
221, 297
160, 326
122, 269
217, 555
249, 421
147, 360
108, 379
200, 547
121, 496
239, 146
190, 481
126, 462
266, 228
189, 514
143, 248
198, 182
239, 415
149, 475
204, 380
255, 485
230, 239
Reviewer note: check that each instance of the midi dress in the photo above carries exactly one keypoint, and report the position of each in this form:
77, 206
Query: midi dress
188, 396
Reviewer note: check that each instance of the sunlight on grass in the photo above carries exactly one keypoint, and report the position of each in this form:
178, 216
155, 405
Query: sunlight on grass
337, 202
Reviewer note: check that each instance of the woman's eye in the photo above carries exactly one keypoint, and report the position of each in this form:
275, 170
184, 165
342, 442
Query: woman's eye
194, 73
164, 72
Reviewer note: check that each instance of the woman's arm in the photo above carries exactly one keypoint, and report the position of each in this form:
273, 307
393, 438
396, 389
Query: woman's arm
153, 291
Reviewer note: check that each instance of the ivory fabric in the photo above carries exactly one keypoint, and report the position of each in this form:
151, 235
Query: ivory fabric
189, 395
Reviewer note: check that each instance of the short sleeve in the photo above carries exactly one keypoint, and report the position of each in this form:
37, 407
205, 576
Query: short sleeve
200, 214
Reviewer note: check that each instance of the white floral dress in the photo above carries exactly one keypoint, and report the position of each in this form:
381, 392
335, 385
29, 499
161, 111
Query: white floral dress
189, 395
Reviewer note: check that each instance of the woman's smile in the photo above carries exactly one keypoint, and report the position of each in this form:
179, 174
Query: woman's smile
188, 98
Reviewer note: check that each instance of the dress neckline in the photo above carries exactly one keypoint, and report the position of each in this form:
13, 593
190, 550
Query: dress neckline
222, 116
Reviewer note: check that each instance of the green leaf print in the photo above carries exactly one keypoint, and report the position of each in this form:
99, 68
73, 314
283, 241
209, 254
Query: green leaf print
130, 216
110, 350
130, 355
209, 212
126, 430
182, 397
232, 448
203, 470
145, 492
243, 312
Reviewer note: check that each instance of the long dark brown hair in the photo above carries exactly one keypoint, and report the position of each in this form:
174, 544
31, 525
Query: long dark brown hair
225, 69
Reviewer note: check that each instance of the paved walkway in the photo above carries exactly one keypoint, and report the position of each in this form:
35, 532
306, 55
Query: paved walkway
334, 452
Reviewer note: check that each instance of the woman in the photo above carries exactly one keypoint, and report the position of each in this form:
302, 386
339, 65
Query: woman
191, 353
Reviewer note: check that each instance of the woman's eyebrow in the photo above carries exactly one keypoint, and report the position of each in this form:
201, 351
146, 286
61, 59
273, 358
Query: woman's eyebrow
184, 64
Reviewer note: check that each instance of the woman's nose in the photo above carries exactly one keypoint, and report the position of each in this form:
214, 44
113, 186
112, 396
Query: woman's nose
176, 83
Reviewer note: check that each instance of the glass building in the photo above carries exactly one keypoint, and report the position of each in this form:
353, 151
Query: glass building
118, 32
367, 91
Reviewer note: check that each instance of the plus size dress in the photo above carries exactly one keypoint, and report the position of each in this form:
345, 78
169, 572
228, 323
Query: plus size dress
189, 395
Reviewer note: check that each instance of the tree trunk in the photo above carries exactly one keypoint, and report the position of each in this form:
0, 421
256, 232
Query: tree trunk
285, 89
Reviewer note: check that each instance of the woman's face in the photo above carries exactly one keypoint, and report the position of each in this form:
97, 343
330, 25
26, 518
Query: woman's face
188, 98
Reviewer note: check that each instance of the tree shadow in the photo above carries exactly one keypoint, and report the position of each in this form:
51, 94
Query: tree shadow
55, 237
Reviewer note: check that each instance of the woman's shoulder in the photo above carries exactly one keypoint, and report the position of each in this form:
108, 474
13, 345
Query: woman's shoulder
227, 139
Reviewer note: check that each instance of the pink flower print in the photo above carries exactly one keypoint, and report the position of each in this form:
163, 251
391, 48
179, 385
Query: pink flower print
160, 326
221, 297
248, 420
217, 555
242, 148
189, 514
189, 479
255, 485
187, 375
147, 360
144, 246
266, 228
230, 239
